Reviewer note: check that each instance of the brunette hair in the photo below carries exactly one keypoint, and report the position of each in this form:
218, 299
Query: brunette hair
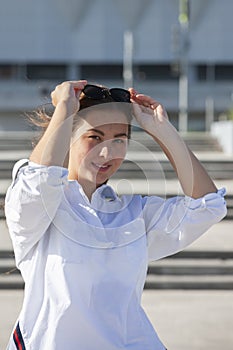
41, 117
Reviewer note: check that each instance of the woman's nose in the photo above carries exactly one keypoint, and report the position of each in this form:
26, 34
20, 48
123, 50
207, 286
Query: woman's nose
105, 152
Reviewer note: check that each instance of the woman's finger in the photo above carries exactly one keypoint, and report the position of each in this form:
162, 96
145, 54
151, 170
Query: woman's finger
79, 85
146, 101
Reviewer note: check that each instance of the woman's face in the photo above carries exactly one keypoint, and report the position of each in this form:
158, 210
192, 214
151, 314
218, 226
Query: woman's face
99, 147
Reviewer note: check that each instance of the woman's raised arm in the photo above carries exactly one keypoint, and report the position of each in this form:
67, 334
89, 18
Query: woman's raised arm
53, 147
152, 117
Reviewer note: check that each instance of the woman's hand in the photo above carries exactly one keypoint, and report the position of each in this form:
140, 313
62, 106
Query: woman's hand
68, 92
148, 112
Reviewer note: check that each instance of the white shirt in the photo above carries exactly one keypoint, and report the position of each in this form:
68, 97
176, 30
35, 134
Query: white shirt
84, 263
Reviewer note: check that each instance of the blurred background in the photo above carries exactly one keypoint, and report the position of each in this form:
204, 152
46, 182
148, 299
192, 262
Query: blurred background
181, 53
152, 44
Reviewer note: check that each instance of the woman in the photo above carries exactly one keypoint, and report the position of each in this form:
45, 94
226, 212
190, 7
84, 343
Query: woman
82, 250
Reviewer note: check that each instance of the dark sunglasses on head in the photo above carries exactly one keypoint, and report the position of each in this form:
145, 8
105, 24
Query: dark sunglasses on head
100, 93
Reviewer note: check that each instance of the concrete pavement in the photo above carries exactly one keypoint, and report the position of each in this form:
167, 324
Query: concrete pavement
184, 320
192, 320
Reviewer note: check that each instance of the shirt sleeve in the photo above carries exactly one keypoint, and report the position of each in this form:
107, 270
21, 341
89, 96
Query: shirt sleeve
175, 223
31, 203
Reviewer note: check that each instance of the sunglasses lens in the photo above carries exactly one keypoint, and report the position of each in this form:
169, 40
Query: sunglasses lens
120, 95
99, 93
93, 91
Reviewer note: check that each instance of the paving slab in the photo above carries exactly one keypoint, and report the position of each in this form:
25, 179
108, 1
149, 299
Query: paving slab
192, 320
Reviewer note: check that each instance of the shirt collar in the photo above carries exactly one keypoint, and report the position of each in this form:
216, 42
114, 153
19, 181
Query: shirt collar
106, 192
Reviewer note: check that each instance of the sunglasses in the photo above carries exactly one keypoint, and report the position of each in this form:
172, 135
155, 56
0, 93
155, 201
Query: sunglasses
100, 93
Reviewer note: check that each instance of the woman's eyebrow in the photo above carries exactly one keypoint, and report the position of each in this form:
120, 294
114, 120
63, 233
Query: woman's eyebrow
123, 134
97, 131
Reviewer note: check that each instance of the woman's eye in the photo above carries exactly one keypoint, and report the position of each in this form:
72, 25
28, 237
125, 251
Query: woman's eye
120, 141
94, 137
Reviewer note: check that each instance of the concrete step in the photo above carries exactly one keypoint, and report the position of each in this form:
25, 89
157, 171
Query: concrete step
216, 243
7, 265
197, 141
146, 170
176, 272
192, 271
209, 258
16, 140
140, 165
193, 267
189, 282
229, 201
11, 281
163, 169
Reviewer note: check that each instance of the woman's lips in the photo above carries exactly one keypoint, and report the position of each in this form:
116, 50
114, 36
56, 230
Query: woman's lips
101, 167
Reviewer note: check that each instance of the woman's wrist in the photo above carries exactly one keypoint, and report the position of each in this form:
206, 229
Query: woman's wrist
67, 107
165, 133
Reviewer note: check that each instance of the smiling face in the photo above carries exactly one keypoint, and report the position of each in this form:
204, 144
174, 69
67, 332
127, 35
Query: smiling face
98, 148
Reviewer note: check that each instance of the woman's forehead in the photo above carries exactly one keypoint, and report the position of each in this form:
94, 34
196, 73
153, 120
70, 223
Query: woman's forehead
106, 118
107, 129
105, 125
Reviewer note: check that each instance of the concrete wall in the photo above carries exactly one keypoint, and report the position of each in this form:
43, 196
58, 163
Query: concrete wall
223, 131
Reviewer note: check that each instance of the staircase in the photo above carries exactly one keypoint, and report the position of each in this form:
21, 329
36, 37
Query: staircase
190, 269
197, 141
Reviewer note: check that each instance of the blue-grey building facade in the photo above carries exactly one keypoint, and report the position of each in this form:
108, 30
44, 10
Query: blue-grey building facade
48, 41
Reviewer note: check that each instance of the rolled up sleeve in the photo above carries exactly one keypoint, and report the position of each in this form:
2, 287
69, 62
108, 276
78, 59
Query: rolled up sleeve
31, 203
179, 221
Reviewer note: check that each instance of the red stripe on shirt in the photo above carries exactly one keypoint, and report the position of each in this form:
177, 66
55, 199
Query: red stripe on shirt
17, 341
